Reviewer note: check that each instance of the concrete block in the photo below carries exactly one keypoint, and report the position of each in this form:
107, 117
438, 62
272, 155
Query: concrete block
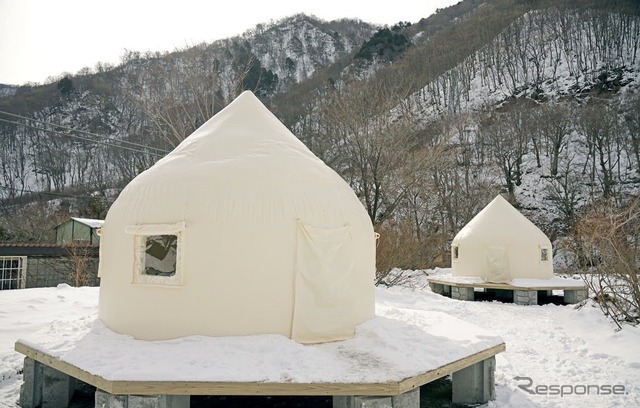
31, 388
340, 401
575, 296
462, 293
374, 402
362, 402
525, 297
475, 384
107, 400
57, 388
410, 399
437, 288
158, 401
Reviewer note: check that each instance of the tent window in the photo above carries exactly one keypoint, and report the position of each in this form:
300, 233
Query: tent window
454, 252
544, 254
160, 255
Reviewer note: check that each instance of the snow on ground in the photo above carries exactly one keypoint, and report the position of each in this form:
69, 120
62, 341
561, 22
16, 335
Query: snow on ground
25, 311
560, 348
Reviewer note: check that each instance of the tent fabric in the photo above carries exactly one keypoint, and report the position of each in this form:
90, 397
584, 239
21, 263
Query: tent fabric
265, 230
324, 284
500, 244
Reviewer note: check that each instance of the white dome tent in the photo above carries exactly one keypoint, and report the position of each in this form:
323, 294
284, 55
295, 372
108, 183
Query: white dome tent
240, 230
500, 244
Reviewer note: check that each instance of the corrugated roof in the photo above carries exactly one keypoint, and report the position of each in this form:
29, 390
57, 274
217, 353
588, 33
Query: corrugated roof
89, 222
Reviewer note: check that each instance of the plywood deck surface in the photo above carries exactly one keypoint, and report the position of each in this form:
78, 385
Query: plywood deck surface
385, 357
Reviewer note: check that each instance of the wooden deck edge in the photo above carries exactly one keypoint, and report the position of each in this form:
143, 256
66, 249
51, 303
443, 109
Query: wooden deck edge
253, 388
422, 379
504, 286
64, 367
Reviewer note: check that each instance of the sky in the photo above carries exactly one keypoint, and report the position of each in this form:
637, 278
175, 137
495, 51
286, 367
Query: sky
41, 39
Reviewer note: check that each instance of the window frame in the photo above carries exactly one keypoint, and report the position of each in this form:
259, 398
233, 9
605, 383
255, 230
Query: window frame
140, 235
455, 252
20, 271
547, 251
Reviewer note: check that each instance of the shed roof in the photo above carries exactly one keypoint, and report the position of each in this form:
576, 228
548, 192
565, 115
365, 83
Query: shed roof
89, 222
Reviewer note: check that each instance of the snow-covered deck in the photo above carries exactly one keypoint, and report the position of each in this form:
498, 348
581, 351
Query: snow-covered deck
385, 358
524, 290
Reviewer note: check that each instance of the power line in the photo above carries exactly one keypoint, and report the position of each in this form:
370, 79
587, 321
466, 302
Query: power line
46, 192
85, 138
80, 131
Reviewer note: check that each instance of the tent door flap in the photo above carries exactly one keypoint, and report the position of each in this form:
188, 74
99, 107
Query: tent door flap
497, 264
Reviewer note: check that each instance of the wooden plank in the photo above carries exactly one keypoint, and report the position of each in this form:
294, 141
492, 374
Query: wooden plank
505, 286
419, 380
254, 388
63, 367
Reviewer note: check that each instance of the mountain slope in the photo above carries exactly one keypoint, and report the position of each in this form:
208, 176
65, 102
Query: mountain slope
536, 100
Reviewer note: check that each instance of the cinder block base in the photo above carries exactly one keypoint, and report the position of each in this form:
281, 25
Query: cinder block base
31, 388
440, 289
462, 293
57, 388
525, 297
575, 296
437, 288
361, 402
409, 399
475, 384
106, 400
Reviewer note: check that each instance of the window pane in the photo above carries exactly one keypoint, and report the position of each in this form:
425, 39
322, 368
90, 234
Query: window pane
544, 254
160, 255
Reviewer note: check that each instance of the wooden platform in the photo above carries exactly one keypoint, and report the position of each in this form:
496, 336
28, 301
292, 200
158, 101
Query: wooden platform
384, 358
574, 290
256, 388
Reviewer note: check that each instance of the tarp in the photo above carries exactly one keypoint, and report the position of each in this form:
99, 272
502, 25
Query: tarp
500, 244
269, 239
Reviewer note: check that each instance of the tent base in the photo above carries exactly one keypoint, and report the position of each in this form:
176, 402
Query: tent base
520, 294
50, 380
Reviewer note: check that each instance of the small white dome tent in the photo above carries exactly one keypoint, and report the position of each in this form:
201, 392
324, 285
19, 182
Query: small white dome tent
240, 230
500, 244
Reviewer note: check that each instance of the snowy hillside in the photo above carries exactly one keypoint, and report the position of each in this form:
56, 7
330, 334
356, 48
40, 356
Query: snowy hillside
546, 54
561, 345
295, 48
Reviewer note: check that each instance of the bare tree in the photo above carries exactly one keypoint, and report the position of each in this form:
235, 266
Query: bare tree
80, 260
178, 94
508, 143
553, 126
34, 222
602, 130
632, 120
378, 153
609, 237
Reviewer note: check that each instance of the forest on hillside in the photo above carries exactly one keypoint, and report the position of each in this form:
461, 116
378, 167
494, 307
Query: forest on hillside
536, 100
